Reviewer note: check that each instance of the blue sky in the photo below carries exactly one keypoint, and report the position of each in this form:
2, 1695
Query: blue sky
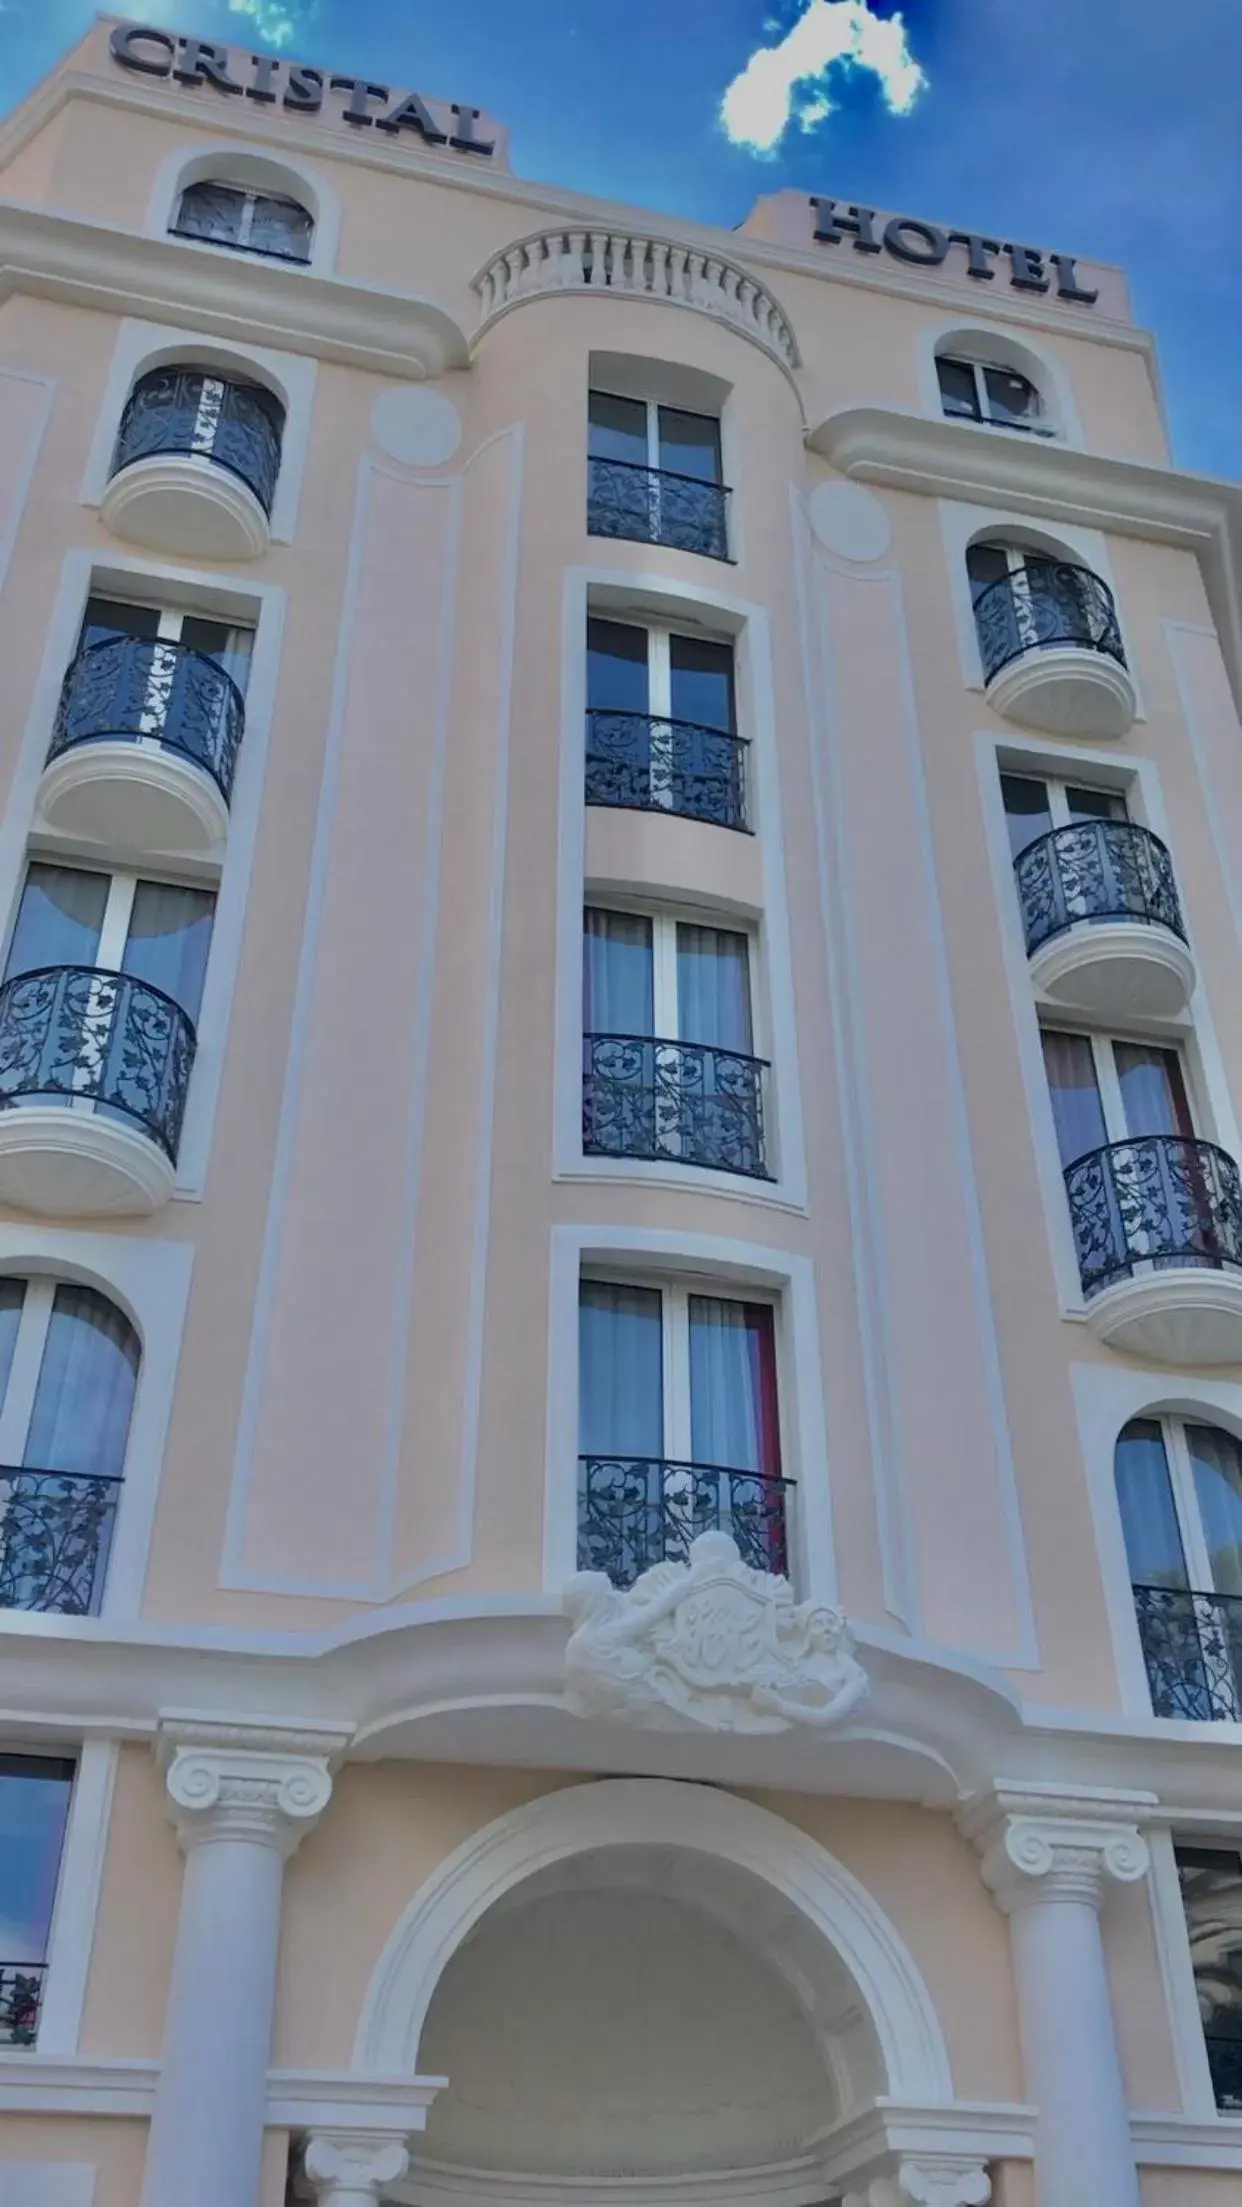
1101, 127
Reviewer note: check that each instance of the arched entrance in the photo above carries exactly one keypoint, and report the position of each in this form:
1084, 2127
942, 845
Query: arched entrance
640, 1982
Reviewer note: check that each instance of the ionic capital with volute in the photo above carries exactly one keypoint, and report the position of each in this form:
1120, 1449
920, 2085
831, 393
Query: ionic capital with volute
268, 1785
350, 2168
927, 2180
1037, 1844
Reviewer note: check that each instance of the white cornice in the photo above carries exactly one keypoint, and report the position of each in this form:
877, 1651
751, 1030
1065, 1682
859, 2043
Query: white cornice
944, 459
365, 149
91, 264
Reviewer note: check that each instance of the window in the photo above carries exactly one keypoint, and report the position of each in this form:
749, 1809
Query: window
102, 987
249, 221
1179, 1489
974, 390
34, 1808
1035, 805
1079, 859
1105, 1090
679, 1429
668, 1041
228, 646
655, 475
68, 1369
1211, 1882
661, 723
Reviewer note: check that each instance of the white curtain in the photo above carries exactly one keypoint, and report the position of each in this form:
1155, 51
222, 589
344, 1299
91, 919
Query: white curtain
169, 938
1076, 1106
1145, 1494
732, 1385
1217, 1461
85, 1394
617, 978
620, 1370
713, 988
59, 919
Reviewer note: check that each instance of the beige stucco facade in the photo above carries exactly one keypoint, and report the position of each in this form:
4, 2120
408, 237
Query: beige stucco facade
358, 1881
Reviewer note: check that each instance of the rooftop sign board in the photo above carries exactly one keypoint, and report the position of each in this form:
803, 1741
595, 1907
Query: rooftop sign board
271, 82
926, 245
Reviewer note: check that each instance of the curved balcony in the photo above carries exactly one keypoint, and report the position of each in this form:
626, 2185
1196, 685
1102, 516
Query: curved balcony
642, 763
634, 1511
630, 265
1052, 652
94, 1069
1192, 1646
21, 1997
55, 1533
1158, 1230
1103, 925
680, 1103
144, 748
195, 467
652, 505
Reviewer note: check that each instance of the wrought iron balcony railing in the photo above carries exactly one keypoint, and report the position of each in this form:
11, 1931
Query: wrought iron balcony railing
649, 764
1192, 1646
1157, 1200
1046, 605
634, 1511
134, 687
1095, 870
190, 411
80, 1034
676, 1101
654, 506
55, 1533
1225, 2062
21, 1996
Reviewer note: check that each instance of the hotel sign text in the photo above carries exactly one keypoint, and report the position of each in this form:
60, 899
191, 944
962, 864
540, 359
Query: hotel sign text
923, 245
272, 82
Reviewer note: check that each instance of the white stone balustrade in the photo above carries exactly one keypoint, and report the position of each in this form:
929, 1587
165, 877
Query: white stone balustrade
637, 267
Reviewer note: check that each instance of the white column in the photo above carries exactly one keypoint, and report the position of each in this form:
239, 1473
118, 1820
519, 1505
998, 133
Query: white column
350, 2168
1049, 1873
927, 2180
240, 1800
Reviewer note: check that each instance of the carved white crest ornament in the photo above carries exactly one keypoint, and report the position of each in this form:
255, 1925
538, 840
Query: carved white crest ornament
710, 1644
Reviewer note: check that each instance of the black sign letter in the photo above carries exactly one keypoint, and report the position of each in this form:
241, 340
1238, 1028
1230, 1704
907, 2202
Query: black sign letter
263, 68
304, 90
127, 36
933, 244
463, 138
201, 62
360, 92
830, 227
410, 114
1068, 286
1028, 268
978, 249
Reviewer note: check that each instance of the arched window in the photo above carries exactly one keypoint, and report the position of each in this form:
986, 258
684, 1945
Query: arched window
1179, 1487
988, 391
1037, 600
245, 218
68, 1369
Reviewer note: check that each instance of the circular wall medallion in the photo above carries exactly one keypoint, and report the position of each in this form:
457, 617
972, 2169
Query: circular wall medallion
421, 428
850, 521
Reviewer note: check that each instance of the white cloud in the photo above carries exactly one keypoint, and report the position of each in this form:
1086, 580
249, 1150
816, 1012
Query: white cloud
767, 96
277, 20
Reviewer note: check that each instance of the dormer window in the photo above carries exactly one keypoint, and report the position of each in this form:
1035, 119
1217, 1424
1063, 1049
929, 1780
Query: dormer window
248, 221
976, 390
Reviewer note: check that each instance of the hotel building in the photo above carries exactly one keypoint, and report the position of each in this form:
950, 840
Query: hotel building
620, 1213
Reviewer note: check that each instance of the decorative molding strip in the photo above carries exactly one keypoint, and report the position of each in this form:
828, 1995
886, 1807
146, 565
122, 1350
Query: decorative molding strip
94, 264
633, 265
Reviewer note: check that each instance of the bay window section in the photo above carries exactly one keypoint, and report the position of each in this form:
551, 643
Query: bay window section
101, 991
34, 1809
661, 731
669, 1071
1211, 1883
654, 475
68, 1371
1179, 1490
679, 1427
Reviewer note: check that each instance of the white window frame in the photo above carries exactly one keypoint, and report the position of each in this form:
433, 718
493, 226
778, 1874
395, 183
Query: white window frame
675, 1298
659, 635
1058, 784
1039, 424
665, 1001
171, 622
251, 194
